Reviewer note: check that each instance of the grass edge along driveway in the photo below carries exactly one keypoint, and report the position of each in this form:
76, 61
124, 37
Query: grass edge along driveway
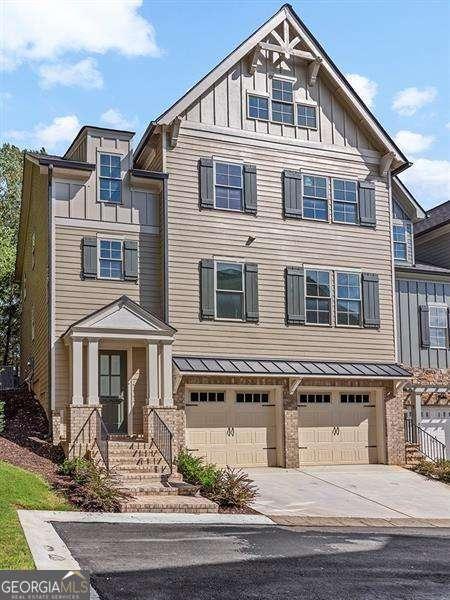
21, 489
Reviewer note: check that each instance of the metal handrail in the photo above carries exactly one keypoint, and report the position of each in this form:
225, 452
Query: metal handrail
96, 431
162, 438
429, 446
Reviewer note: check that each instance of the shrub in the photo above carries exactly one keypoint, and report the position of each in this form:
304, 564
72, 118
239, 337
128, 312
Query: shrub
2, 416
228, 487
436, 470
89, 486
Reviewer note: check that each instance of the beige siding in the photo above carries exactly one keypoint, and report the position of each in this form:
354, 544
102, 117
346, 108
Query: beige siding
225, 104
36, 288
195, 234
79, 151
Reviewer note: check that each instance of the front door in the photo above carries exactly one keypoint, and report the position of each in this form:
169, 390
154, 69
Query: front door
113, 390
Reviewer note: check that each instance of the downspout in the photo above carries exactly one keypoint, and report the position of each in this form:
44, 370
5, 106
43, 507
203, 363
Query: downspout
50, 294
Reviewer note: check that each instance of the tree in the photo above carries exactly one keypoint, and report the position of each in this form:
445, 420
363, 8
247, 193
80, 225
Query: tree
11, 165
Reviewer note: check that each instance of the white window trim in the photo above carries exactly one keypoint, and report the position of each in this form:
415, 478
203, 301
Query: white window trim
229, 162
309, 105
356, 181
263, 95
110, 239
353, 272
443, 306
327, 199
292, 80
237, 262
330, 297
409, 242
100, 151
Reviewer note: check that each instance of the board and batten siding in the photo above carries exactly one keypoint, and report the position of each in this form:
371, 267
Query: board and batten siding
35, 282
225, 104
410, 295
433, 250
195, 234
76, 298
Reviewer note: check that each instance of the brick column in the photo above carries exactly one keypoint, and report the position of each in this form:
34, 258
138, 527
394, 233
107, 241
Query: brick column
174, 418
395, 431
76, 419
290, 421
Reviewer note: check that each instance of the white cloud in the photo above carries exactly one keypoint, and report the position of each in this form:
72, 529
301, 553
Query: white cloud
114, 118
60, 131
364, 87
412, 143
448, 125
429, 180
83, 74
46, 29
408, 101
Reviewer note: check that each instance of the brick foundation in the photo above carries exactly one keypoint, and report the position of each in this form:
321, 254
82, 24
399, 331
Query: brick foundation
77, 416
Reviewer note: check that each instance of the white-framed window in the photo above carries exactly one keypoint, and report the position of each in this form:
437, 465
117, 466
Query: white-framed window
282, 101
228, 186
400, 233
317, 297
438, 322
307, 116
110, 259
348, 299
345, 201
229, 290
252, 397
110, 178
33, 249
207, 397
258, 107
315, 197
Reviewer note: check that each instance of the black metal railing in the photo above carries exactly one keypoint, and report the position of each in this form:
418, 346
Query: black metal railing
428, 445
162, 438
93, 435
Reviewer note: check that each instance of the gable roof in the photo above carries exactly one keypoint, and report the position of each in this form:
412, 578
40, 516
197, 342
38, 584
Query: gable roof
407, 201
436, 217
286, 12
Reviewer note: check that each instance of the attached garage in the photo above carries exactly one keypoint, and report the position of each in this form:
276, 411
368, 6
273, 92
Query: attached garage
232, 426
337, 427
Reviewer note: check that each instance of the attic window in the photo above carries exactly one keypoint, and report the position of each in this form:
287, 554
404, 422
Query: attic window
258, 107
110, 178
283, 101
306, 116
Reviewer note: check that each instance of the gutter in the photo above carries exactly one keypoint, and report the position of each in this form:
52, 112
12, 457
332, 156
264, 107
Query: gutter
50, 293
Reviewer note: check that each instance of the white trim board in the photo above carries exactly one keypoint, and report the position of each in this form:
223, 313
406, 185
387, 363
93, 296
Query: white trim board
106, 226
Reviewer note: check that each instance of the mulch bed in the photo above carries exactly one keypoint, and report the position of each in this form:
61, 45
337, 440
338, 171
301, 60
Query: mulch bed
24, 441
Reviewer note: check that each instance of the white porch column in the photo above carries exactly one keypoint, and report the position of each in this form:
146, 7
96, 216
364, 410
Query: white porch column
417, 408
152, 374
92, 372
166, 370
77, 371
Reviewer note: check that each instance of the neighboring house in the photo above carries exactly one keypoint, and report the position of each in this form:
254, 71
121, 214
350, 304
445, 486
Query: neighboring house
234, 275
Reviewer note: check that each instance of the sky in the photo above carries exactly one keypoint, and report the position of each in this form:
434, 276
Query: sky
120, 63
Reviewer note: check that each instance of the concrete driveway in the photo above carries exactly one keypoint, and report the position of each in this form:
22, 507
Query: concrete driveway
368, 491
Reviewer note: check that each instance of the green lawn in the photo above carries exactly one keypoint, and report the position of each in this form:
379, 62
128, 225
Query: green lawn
21, 489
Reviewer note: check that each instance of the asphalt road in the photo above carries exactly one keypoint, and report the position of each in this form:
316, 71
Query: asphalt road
172, 562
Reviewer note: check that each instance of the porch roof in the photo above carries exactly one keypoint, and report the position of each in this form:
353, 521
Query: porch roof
287, 368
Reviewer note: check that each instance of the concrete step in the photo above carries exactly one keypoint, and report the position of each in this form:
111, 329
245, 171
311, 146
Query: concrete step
169, 504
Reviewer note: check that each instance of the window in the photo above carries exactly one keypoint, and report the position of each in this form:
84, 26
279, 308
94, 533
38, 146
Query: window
258, 107
315, 398
400, 242
345, 201
255, 398
229, 290
282, 101
207, 396
228, 186
110, 259
315, 204
110, 178
306, 116
438, 326
318, 297
110, 375
355, 398
348, 299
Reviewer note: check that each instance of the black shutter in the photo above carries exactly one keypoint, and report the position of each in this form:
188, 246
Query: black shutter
292, 194
251, 292
424, 312
89, 258
250, 192
295, 295
367, 208
371, 300
206, 182
130, 260
207, 289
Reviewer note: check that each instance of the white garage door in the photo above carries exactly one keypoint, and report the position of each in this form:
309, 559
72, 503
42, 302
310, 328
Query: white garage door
233, 428
337, 428
436, 422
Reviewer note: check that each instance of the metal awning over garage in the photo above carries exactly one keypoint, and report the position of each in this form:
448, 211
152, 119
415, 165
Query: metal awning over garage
197, 365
